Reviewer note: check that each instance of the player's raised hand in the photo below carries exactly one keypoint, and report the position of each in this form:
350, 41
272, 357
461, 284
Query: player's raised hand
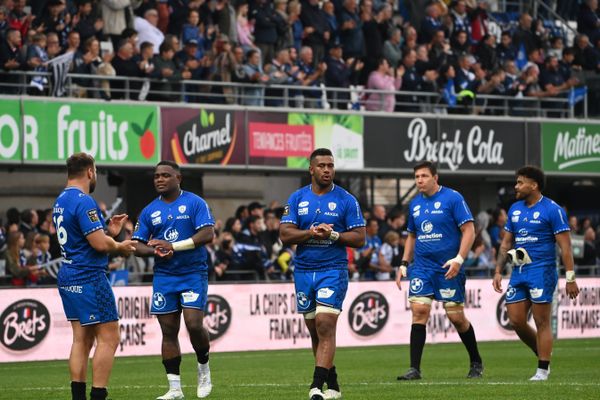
162, 244
572, 290
163, 253
115, 224
127, 247
497, 282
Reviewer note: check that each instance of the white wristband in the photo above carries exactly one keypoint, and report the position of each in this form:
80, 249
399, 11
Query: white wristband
187, 244
570, 275
403, 271
334, 236
458, 259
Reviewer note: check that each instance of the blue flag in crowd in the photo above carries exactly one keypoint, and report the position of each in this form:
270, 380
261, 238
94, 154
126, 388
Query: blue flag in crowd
576, 95
521, 60
449, 93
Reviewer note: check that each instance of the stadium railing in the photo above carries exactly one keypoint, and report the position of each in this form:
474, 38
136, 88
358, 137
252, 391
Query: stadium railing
316, 97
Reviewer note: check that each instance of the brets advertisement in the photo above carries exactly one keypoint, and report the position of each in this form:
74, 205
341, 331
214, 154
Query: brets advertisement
202, 136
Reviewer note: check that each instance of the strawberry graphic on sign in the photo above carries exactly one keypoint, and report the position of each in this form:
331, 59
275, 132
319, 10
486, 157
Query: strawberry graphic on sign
147, 140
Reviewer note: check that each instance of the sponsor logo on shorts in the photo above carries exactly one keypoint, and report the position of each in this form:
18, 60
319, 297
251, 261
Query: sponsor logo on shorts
416, 285
325, 293
303, 301
73, 289
447, 293
303, 211
217, 316
303, 204
510, 293
189, 297
536, 293
24, 324
155, 214
159, 301
368, 313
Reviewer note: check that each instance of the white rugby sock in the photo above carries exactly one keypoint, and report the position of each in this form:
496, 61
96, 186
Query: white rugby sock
174, 381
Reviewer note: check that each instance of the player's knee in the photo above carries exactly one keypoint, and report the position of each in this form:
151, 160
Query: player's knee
541, 320
517, 321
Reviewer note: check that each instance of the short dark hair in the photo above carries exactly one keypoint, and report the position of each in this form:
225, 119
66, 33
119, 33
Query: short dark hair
128, 32
534, 173
426, 164
250, 53
320, 152
145, 45
171, 164
165, 47
394, 213
78, 163
371, 220
26, 215
569, 51
252, 219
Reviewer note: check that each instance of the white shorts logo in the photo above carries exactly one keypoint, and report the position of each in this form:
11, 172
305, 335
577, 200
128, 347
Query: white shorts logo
510, 292
325, 293
447, 293
303, 301
159, 301
189, 297
416, 285
536, 293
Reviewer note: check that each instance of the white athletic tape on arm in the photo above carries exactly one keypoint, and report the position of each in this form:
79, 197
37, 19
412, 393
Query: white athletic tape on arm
403, 271
570, 275
458, 259
187, 244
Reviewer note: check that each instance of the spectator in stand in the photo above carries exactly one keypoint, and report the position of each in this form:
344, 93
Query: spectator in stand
225, 19
85, 23
410, 40
147, 28
53, 48
523, 34
249, 253
54, 19
3, 22
186, 60
130, 35
551, 78
280, 74
284, 33
465, 78
73, 42
11, 60
388, 253
310, 76
168, 73
506, 50
16, 262
459, 44
318, 33
253, 72
37, 60
460, 18
565, 65
340, 74
29, 221
479, 21
496, 230
372, 31
228, 67
574, 224
556, 47
368, 262
329, 10
486, 53
125, 65
589, 251
351, 33
270, 236
294, 10
20, 20
439, 50
588, 22
395, 221
430, 25
115, 14
265, 29
586, 57
392, 49
244, 28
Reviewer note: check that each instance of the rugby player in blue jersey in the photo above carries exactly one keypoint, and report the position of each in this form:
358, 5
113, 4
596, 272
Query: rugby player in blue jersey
322, 219
175, 227
535, 225
87, 297
441, 233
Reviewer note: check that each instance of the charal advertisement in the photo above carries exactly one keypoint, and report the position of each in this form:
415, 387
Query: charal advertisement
202, 136
10, 131
571, 147
111, 133
287, 139
455, 144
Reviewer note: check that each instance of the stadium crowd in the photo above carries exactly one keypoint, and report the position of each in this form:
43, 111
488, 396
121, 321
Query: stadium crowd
247, 247
416, 46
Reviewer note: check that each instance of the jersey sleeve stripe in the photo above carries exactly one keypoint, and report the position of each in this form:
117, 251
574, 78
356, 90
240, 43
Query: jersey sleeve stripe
94, 229
356, 226
203, 225
562, 230
135, 237
289, 222
465, 221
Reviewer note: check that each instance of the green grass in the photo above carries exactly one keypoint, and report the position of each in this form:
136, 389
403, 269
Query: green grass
364, 373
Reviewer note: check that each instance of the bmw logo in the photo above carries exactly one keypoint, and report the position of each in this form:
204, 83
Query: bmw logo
416, 285
303, 302
159, 301
510, 292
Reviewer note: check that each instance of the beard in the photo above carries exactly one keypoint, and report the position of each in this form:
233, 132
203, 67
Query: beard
92, 186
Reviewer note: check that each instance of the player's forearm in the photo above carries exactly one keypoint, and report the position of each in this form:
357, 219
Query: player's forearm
204, 236
467, 239
567, 258
143, 250
353, 238
409, 248
501, 259
292, 235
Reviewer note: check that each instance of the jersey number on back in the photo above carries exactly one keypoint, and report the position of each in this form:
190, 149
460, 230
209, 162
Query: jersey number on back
61, 232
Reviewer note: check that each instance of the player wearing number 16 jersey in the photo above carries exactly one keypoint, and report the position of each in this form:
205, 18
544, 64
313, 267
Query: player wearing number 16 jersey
87, 297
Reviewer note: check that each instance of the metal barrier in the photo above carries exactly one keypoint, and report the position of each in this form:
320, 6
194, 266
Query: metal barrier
313, 97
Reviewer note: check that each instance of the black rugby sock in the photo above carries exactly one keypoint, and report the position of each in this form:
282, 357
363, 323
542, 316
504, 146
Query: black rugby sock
332, 382
418, 334
172, 365
319, 377
98, 393
78, 390
470, 342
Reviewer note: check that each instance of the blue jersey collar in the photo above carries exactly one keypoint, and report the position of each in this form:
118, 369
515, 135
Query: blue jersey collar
332, 187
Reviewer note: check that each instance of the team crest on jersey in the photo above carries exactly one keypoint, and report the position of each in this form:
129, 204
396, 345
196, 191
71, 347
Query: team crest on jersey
332, 206
182, 209
93, 215
286, 210
536, 215
437, 204
155, 214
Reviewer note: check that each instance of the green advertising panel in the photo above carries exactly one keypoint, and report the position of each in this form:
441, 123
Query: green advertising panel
571, 147
343, 134
10, 128
112, 133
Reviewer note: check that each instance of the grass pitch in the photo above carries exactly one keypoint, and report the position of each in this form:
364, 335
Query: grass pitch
364, 373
